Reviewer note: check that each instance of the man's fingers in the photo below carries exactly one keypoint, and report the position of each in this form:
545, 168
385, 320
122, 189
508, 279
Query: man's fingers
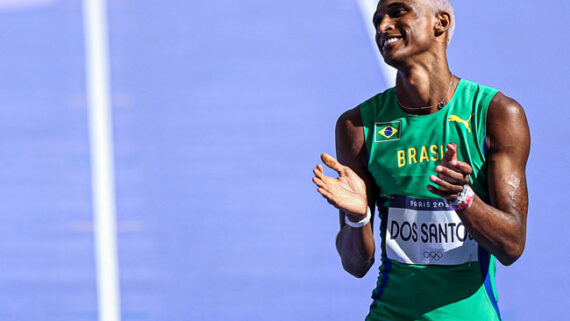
325, 182
451, 154
318, 172
446, 195
450, 158
445, 186
332, 162
323, 192
456, 166
319, 182
450, 180
436, 191
327, 195
464, 167
451, 176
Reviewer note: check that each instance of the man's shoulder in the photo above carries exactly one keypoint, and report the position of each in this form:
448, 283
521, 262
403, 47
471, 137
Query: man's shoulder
505, 107
507, 125
350, 119
504, 101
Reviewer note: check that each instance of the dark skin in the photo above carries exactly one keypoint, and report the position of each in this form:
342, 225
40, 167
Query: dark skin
418, 51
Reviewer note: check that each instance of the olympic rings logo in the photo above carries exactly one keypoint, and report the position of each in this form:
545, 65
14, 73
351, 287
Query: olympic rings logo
433, 256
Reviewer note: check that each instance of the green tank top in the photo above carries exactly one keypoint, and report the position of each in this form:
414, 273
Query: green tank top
432, 269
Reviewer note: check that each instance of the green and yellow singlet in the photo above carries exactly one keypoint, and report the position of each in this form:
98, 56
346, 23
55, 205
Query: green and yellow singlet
432, 269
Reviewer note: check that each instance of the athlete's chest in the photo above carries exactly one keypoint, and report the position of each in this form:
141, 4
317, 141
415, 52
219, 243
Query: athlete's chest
405, 150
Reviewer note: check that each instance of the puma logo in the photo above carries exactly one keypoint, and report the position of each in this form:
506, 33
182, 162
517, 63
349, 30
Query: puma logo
459, 120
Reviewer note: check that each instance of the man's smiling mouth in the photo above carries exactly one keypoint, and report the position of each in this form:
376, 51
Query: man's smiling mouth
390, 40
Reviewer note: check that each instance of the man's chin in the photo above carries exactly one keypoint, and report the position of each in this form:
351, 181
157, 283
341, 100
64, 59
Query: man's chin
392, 61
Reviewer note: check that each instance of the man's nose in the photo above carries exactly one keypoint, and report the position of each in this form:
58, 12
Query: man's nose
385, 24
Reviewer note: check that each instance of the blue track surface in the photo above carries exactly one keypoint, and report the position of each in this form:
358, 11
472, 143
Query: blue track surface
221, 110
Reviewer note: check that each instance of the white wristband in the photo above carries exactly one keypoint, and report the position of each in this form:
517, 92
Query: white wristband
360, 223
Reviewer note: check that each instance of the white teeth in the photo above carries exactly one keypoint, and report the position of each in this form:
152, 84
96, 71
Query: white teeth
391, 40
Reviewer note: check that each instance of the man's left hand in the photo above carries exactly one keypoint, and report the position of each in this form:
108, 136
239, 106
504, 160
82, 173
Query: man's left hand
452, 175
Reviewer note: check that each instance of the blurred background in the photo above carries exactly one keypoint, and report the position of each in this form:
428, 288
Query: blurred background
220, 110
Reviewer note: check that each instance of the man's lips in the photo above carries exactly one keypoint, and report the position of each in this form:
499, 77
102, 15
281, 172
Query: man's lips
390, 39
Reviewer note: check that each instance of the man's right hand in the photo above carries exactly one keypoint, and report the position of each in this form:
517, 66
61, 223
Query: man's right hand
347, 192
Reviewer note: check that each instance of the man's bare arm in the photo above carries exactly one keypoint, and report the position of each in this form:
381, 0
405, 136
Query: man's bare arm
500, 227
351, 192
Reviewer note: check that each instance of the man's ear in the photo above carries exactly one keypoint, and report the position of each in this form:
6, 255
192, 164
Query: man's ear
443, 23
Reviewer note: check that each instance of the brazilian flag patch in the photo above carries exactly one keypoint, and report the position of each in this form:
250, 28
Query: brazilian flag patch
389, 131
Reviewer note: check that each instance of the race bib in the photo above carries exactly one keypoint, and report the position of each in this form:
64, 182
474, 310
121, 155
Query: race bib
427, 232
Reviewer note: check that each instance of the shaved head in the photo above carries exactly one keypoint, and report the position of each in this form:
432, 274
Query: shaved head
436, 6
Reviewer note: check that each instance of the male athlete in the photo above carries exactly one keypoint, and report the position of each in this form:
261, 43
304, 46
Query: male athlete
443, 159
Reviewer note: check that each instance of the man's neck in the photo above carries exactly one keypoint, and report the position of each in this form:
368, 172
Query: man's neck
422, 85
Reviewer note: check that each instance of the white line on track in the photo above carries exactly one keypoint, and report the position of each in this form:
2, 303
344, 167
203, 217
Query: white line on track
102, 173
367, 9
